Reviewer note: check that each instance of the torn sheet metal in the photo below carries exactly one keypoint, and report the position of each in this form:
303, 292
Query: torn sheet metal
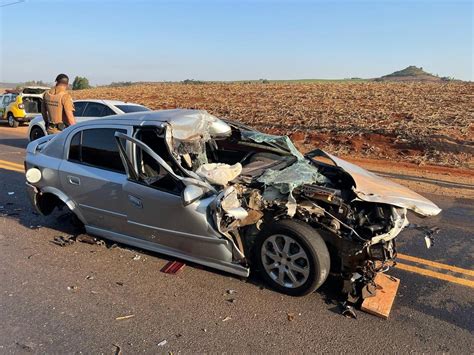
219, 173
198, 126
230, 203
373, 188
282, 142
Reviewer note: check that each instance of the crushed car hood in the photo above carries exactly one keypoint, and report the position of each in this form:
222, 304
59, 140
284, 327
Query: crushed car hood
373, 188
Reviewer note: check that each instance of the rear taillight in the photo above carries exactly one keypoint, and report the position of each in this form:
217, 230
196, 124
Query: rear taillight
21, 106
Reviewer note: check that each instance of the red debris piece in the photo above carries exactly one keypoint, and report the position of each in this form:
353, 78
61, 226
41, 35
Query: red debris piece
173, 267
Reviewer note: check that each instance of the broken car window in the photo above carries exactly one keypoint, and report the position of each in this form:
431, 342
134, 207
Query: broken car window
149, 170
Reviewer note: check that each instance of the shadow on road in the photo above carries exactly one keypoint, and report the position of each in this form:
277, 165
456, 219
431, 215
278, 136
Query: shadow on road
14, 142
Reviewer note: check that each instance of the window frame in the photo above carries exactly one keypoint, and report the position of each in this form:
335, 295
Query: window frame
130, 161
93, 103
134, 160
86, 103
78, 130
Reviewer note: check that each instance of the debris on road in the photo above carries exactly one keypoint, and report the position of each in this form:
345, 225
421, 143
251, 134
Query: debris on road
231, 292
125, 317
25, 346
173, 267
72, 288
119, 283
64, 240
118, 349
11, 193
137, 257
348, 311
231, 300
428, 233
380, 305
226, 319
35, 226
86, 239
90, 277
290, 316
163, 342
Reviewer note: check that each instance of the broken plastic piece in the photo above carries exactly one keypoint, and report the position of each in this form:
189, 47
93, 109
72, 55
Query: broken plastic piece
125, 317
173, 267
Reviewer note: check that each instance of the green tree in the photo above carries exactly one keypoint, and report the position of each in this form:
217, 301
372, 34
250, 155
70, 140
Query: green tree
80, 83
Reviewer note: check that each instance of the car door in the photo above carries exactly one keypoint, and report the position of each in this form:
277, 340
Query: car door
155, 209
4, 101
92, 175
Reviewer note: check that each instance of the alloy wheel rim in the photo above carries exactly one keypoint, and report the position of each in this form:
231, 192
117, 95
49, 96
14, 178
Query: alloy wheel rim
285, 261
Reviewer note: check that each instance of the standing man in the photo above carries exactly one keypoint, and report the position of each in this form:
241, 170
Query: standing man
57, 108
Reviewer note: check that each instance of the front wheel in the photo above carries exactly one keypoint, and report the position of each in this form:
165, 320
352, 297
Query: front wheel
292, 257
12, 122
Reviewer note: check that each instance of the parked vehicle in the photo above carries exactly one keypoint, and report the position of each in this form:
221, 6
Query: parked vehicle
187, 184
87, 110
20, 106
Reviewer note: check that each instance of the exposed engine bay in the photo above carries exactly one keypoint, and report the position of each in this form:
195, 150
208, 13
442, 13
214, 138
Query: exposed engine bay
263, 178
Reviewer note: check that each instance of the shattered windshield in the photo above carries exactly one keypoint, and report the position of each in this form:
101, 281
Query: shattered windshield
280, 142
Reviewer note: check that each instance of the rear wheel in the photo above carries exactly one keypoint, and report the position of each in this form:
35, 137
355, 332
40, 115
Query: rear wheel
292, 257
12, 122
36, 132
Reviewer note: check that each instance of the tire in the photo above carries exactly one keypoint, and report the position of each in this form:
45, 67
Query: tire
12, 122
278, 266
36, 132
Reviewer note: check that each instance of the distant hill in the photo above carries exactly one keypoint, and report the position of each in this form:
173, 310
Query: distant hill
412, 73
8, 85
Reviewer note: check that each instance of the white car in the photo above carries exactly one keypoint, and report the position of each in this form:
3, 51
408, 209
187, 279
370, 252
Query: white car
86, 110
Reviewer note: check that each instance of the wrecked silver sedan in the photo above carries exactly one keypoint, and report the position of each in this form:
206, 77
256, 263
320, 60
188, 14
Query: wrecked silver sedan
187, 184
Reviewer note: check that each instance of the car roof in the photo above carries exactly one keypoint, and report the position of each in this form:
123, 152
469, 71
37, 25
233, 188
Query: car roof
174, 116
170, 116
109, 102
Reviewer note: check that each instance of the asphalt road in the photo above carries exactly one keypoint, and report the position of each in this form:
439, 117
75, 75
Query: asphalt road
66, 299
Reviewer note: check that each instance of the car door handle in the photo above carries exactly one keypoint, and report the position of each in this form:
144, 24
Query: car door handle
74, 180
135, 201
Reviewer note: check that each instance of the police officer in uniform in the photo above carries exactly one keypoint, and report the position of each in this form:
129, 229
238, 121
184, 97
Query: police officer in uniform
57, 108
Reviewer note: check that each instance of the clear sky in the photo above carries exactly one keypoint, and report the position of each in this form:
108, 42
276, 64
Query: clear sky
232, 40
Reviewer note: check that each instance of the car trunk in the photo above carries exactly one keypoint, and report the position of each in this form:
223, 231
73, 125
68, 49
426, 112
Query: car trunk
32, 104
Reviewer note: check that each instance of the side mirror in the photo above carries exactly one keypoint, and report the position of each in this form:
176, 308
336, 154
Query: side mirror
192, 193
